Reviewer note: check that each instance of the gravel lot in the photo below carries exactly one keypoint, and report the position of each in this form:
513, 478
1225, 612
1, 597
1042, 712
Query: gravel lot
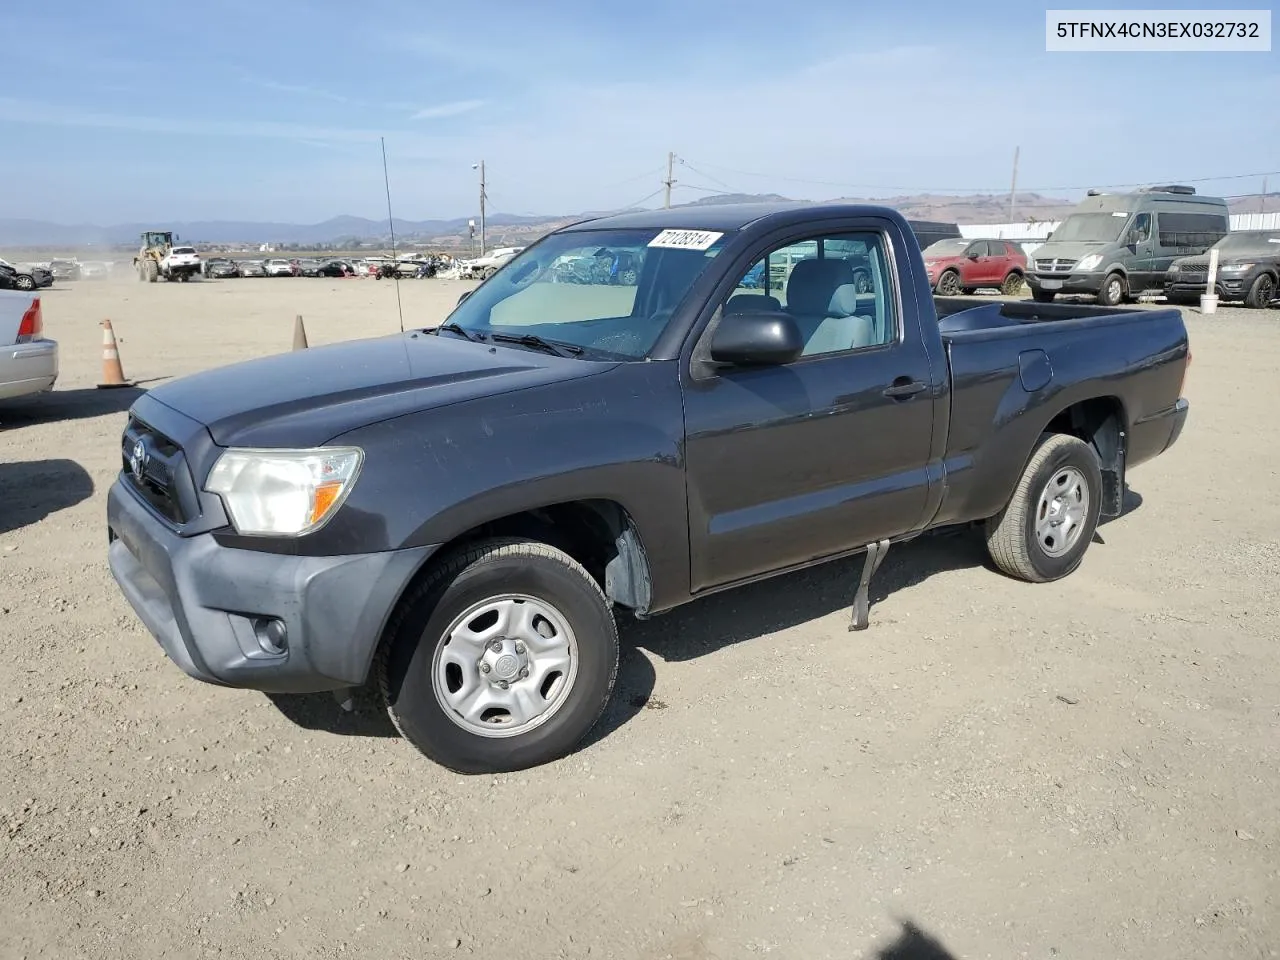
1083, 769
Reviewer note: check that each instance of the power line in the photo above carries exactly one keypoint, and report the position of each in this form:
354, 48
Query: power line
1025, 189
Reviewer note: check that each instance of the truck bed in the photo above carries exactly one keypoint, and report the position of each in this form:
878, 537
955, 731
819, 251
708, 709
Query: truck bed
1009, 359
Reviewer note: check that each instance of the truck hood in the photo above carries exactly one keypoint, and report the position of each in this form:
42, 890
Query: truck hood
309, 397
1075, 250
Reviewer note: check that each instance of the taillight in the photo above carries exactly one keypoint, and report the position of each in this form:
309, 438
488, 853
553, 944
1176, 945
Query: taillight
32, 325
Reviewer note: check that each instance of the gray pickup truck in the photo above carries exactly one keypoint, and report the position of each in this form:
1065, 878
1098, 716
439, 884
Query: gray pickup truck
457, 514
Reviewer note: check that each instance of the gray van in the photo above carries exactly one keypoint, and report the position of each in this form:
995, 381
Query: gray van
1116, 245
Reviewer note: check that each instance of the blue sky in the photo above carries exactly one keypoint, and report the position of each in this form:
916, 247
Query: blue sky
272, 109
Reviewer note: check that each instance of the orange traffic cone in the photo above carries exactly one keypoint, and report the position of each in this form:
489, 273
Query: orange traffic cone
112, 372
299, 334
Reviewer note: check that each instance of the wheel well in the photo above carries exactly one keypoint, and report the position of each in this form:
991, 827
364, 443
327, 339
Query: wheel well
1100, 422
599, 534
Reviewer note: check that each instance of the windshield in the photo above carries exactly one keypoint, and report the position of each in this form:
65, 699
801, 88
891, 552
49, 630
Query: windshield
609, 292
1261, 242
946, 248
1091, 228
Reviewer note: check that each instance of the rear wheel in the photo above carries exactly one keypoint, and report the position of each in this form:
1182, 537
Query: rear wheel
152, 271
1012, 285
1262, 292
503, 658
1114, 290
948, 284
1044, 531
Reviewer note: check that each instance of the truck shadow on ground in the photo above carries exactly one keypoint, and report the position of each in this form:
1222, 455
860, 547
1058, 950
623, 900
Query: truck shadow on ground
61, 405
756, 610
32, 490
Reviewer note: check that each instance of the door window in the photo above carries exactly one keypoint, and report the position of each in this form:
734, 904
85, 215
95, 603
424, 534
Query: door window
1142, 228
977, 249
838, 289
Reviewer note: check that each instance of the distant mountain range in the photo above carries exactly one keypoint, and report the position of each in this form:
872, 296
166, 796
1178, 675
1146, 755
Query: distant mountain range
508, 228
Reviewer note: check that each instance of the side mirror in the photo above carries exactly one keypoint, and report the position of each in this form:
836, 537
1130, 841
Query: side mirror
971, 254
756, 338
465, 294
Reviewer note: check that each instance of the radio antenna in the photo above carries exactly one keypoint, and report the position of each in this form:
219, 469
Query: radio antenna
391, 222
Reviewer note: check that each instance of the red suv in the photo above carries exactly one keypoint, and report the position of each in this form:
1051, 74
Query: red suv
962, 266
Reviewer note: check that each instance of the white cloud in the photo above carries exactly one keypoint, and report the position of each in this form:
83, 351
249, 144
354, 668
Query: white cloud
30, 112
442, 110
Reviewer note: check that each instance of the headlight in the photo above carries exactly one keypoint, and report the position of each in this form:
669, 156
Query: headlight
1173, 268
284, 492
1236, 267
1090, 262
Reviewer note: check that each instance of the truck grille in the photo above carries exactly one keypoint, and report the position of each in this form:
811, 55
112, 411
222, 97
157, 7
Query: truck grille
152, 465
1055, 266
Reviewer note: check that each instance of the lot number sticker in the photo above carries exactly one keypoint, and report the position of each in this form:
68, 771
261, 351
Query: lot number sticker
685, 239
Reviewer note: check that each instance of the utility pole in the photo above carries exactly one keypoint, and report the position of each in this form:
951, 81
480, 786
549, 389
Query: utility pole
482, 200
671, 159
1013, 188
1262, 208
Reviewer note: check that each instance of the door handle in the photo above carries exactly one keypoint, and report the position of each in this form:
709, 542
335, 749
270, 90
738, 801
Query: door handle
905, 388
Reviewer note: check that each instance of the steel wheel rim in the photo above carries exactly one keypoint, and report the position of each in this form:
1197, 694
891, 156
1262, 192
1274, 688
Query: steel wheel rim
1062, 511
505, 666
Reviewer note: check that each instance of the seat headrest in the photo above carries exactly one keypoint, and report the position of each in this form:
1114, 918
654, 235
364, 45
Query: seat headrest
747, 302
847, 301
813, 282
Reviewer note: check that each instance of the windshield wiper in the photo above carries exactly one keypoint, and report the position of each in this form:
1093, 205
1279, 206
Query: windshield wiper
533, 340
460, 331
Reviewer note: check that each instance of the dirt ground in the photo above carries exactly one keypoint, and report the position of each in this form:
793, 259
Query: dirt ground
1083, 769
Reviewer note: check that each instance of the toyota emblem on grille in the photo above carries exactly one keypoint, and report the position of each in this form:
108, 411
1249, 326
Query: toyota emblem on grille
138, 459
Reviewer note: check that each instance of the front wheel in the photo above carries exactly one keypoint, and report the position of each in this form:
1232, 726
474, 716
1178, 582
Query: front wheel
502, 659
23, 282
1262, 292
1046, 527
948, 284
1043, 296
1113, 292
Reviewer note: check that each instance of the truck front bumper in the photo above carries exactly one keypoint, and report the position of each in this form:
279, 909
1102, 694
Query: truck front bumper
261, 621
1069, 283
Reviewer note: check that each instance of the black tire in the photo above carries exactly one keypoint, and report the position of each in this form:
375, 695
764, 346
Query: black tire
1012, 535
969, 291
1012, 284
24, 282
1114, 291
491, 569
1262, 292
1043, 296
1181, 299
948, 284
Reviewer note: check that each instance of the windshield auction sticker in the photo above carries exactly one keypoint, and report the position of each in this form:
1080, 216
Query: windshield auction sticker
1127, 31
685, 239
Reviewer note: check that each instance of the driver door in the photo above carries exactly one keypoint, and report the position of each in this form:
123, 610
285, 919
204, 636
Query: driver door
789, 463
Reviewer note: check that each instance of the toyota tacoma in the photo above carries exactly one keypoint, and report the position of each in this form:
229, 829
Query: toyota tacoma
456, 515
